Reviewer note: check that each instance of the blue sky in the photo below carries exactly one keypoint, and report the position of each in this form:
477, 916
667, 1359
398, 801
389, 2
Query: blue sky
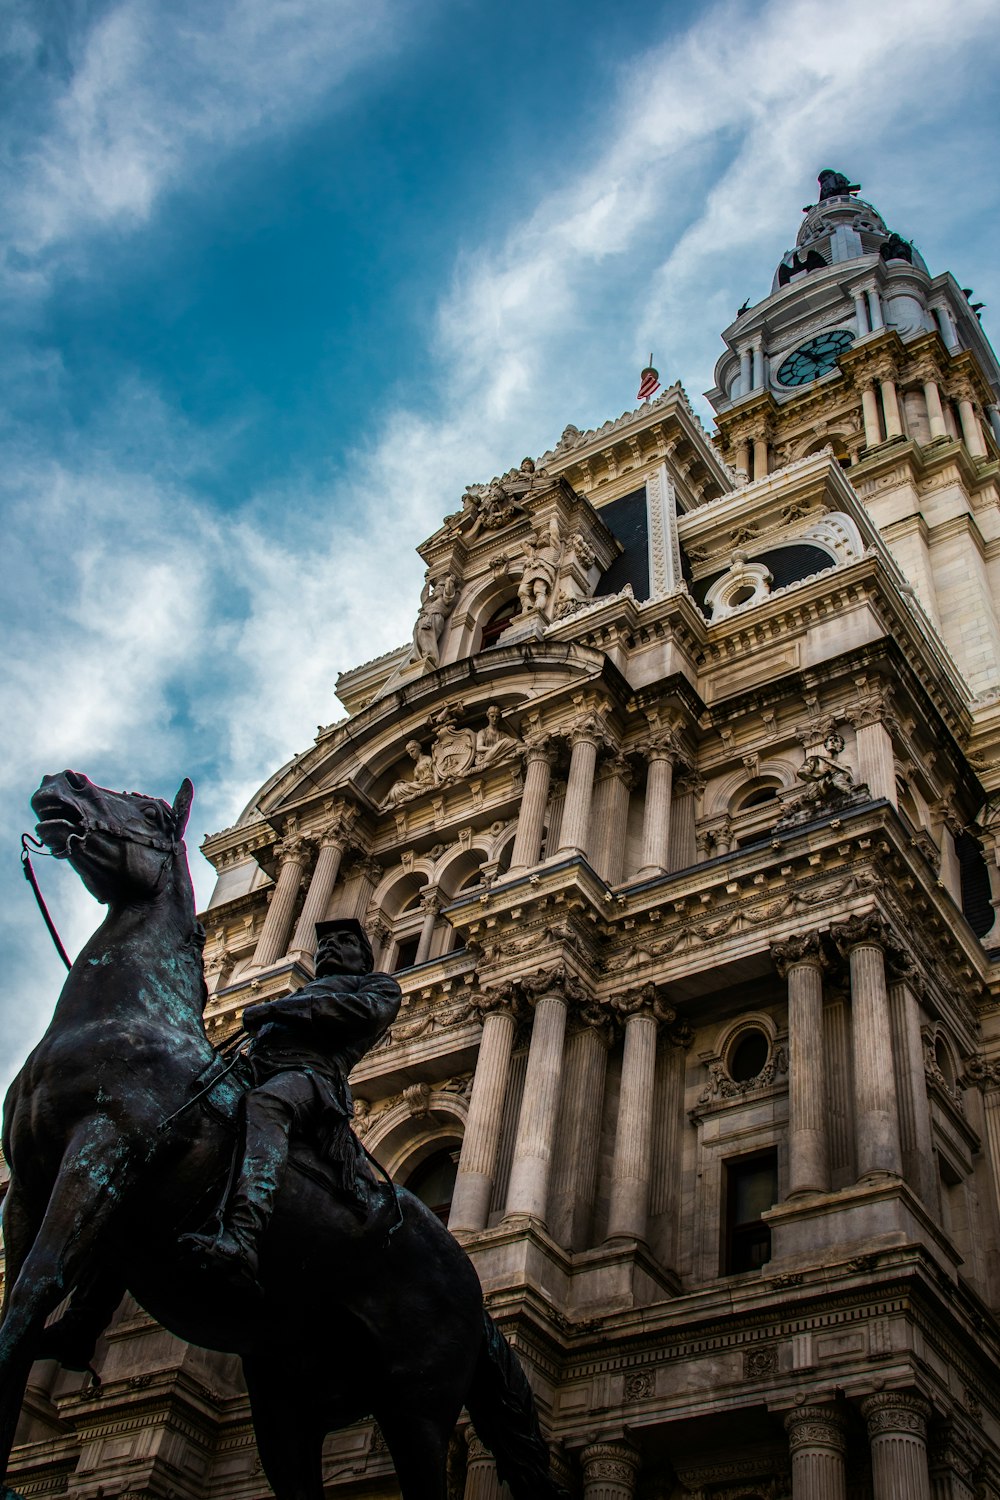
279, 277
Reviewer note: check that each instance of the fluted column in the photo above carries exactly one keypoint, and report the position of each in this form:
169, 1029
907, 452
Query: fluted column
875, 309
742, 459
861, 314
431, 903
869, 409
481, 1482
876, 762
876, 1114
947, 326
610, 818
971, 430
324, 878
534, 1142
746, 372
628, 1212
914, 1112
935, 412
660, 753
801, 961
890, 408
574, 1177
585, 736
610, 1471
897, 1432
761, 465
470, 1204
531, 817
817, 1442
292, 855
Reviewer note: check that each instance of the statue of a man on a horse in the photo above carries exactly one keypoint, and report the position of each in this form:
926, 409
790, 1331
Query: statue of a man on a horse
121, 1132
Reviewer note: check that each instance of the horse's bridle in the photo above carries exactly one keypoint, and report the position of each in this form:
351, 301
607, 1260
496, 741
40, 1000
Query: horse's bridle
166, 847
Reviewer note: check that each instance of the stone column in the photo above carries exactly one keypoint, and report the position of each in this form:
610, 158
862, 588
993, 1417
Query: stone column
760, 458
610, 1471
890, 408
993, 417
817, 1441
431, 903
531, 818
585, 736
534, 1143
324, 878
947, 325
935, 413
971, 431
758, 367
876, 762
911, 1086
897, 1432
630, 1171
292, 855
869, 408
481, 1482
861, 314
801, 960
660, 752
610, 819
574, 1177
875, 309
742, 459
746, 372
470, 1204
863, 940
365, 873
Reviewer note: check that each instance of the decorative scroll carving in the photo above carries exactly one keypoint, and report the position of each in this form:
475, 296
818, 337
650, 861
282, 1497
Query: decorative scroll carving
804, 948
895, 1411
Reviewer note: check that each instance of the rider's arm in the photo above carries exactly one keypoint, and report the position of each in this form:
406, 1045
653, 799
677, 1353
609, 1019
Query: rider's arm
337, 1009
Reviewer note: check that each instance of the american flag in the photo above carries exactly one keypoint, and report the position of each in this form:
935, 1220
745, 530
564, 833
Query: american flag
649, 382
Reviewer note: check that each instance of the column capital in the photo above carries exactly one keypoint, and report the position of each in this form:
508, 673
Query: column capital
587, 728
292, 849
610, 1461
867, 929
816, 1427
873, 704
617, 767
431, 899
662, 744
648, 1001
539, 747
803, 948
555, 981
896, 1411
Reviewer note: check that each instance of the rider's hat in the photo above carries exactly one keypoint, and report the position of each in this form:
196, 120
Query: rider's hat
341, 924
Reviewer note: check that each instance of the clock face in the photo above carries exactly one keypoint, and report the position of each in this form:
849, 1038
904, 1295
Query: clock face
815, 358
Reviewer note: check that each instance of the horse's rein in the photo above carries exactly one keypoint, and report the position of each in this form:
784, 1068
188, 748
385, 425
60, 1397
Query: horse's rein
32, 879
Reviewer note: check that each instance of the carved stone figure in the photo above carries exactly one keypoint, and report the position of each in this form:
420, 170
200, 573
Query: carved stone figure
437, 600
123, 1121
543, 551
409, 787
827, 780
493, 744
453, 750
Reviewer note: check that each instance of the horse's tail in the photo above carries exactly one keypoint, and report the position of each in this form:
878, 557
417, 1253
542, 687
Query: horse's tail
502, 1409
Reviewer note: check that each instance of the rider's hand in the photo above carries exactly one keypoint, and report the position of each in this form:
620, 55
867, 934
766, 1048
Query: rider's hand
256, 1016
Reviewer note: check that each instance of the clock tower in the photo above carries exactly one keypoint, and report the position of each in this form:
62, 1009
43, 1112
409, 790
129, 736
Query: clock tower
859, 347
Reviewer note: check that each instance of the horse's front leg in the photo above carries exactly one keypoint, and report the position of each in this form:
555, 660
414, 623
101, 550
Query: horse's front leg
49, 1257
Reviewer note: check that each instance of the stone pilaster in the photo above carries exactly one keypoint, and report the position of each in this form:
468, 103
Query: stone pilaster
292, 858
801, 961
575, 1172
628, 1212
610, 1471
817, 1442
610, 818
876, 763
470, 1203
869, 409
897, 1432
585, 737
661, 753
430, 900
911, 1086
531, 818
862, 939
534, 1143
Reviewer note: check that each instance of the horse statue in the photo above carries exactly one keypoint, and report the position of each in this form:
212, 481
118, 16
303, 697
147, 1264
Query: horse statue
114, 1156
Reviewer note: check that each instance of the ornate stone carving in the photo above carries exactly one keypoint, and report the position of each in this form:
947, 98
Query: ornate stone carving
639, 1385
804, 948
437, 600
421, 780
647, 1000
759, 1364
617, 1461
867, 928
494, 745
816, 1427
896, 1411
543, 552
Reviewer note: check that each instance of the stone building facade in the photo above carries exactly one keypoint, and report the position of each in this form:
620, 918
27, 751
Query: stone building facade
677, 820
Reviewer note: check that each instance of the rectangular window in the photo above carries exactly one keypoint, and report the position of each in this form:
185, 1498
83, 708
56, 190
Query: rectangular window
751, 1187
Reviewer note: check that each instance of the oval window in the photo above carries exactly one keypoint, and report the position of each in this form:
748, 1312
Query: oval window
748, 1055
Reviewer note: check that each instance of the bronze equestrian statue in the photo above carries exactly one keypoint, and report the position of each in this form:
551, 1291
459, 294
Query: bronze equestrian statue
114, 1160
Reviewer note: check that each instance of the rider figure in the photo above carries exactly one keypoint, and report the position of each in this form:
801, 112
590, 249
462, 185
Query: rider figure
304, 1046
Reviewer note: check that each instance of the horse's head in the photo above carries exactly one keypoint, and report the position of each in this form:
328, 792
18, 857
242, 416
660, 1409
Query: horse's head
121, 844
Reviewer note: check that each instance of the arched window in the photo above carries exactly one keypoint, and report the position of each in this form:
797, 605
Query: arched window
497, 623
433, 1182
975, 880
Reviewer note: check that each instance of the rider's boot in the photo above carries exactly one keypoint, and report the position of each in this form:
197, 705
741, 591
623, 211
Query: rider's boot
234, 1247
